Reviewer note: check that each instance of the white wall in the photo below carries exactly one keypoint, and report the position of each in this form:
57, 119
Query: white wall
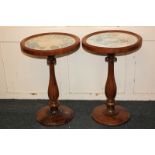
80, 75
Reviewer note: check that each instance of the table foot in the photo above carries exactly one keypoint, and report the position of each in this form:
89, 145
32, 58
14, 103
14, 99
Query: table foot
63, 116
101, 115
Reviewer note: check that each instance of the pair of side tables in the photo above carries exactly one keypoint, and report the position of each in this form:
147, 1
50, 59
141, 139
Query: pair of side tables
110, 43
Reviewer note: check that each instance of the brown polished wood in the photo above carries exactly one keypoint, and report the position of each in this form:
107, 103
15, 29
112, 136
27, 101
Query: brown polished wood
105, 50
60, 51
54, 113
110, 113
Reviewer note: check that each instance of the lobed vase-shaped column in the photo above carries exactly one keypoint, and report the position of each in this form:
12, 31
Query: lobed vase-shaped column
110, 113
54, 113
53, 91
110, 87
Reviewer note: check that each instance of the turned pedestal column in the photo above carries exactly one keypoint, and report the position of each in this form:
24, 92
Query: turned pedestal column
54, 113
111, 43
110, 113
50, 45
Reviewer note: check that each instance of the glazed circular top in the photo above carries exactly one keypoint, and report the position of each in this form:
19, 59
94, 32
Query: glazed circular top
49, 44
112, 42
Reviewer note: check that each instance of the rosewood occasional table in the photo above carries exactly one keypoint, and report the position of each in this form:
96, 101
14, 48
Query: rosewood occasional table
111, 43
50, 45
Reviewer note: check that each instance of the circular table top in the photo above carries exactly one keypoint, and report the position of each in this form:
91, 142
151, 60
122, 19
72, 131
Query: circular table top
50, 44
112, 42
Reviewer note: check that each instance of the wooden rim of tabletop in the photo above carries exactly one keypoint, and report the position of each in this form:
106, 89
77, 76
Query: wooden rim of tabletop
107, 50
59, 51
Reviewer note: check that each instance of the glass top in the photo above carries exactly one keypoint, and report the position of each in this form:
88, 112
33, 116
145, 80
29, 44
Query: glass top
50, 42
112, 39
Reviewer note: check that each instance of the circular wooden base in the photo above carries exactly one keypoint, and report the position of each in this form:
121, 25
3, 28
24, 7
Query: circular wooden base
101, 116
45, 117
